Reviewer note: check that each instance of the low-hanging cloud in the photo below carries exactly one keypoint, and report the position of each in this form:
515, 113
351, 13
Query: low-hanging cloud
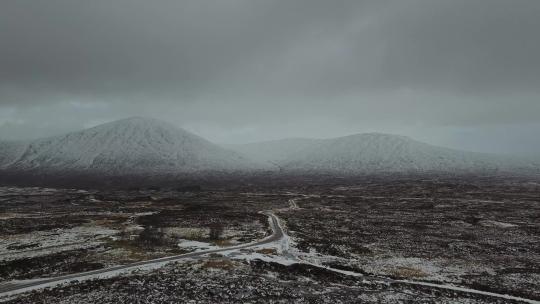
250, 67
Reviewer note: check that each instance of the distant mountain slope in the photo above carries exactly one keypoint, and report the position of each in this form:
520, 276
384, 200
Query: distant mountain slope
10, 151
133, 145
374, 152
148, 147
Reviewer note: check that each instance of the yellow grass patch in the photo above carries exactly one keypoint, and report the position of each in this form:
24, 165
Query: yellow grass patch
219, 264
269, 251
408, 272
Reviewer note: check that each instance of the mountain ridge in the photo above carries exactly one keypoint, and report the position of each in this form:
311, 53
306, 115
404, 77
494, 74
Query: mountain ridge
372, 153
147, 146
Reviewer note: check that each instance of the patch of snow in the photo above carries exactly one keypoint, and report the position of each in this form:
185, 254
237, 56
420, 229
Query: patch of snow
196, 245
52, 241
490, 223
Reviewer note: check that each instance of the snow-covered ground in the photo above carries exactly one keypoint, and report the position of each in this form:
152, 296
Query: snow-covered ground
278, 248
196, 246
46, 242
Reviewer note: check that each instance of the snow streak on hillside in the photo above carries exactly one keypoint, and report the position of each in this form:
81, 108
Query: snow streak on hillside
10, 151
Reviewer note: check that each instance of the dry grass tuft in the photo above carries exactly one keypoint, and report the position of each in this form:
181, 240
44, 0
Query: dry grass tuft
268, 251
223, 242
408, 272
219, 264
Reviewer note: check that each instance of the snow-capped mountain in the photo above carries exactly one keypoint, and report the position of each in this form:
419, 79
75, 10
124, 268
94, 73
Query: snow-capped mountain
373, 152
148, 146
133, 145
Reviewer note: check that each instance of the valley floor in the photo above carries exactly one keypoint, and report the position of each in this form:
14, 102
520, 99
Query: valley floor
481, 234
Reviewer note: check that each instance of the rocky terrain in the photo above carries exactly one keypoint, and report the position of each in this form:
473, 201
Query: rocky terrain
368, 240
221, 281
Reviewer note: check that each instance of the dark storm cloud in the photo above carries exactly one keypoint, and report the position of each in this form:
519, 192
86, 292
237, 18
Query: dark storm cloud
103, 47
254, 65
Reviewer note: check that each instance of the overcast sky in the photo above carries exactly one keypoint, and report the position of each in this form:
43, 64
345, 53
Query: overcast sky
460, 73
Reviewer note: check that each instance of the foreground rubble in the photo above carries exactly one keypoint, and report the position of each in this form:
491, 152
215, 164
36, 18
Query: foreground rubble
224, 281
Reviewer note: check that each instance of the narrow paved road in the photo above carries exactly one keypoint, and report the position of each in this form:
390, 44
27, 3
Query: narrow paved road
15, 287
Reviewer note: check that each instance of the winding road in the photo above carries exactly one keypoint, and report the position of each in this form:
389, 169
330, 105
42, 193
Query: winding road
15, 287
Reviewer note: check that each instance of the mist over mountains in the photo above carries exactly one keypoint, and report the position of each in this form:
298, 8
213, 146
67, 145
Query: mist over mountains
147, 146
374, 153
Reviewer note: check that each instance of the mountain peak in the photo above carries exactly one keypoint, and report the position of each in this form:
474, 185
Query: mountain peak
131, 145
369, 153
